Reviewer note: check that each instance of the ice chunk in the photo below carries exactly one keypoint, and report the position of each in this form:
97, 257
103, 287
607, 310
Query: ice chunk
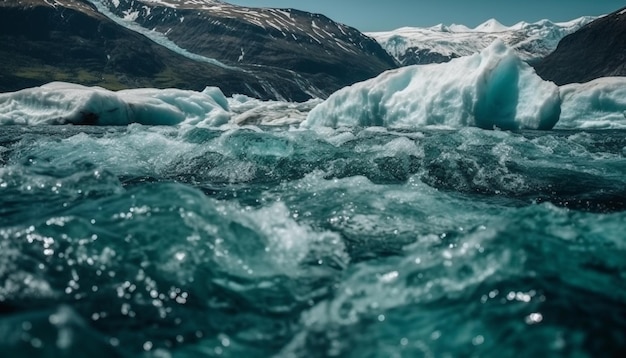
600, 103
61, 103
492, 89
251, 111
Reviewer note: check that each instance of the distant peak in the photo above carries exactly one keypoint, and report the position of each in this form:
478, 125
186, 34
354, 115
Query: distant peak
491, 25
440, 28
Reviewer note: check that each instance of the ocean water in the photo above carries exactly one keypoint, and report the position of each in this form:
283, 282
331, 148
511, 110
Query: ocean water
256, 242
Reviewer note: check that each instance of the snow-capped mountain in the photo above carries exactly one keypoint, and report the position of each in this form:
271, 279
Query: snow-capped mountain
596, 50
263, 53
441, 43
323, 55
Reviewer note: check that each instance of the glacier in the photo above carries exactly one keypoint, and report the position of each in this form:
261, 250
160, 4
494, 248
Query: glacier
155, 36
492, 89
531, 41
598, 104
67, 103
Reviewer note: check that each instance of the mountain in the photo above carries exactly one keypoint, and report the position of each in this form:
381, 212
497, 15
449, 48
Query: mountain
596, 50
69, 40
441, 43
264, 53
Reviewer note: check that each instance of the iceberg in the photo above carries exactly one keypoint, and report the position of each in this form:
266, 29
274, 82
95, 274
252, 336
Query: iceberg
67, 103
491, 89
598, 104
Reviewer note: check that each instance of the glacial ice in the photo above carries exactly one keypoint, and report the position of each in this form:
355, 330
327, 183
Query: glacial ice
598, 104
492, 89
246, 110
61, 103
531, 41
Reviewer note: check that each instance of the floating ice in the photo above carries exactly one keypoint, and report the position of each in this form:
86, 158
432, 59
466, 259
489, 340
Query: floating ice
600, 103
66, 103
246, 110
494, 88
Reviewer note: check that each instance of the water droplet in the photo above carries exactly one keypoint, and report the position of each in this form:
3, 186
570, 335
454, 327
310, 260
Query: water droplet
36, 343
27, 326
478, 340
435, 335
389, 277
534, 318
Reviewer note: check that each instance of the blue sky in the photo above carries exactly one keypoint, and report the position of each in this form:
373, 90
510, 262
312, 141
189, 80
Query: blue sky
382, 15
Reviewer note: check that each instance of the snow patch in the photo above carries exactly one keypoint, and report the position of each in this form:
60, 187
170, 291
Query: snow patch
491, 25
130, 15
492, 89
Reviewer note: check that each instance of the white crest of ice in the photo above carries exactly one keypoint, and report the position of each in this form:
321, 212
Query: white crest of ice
494, 88
598, 104
60, 102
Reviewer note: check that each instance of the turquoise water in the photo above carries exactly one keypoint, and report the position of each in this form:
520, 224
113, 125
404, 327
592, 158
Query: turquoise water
254, 242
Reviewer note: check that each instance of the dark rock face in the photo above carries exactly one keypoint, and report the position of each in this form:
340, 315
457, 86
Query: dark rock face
596, 50
269, 54
72, 42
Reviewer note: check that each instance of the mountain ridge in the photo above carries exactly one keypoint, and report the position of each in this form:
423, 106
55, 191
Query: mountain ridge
288, 70
441, 43
596, 50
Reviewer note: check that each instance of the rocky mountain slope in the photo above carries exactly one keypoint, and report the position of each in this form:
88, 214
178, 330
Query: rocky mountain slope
69, 40
265, 53
441, 43
596, 50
